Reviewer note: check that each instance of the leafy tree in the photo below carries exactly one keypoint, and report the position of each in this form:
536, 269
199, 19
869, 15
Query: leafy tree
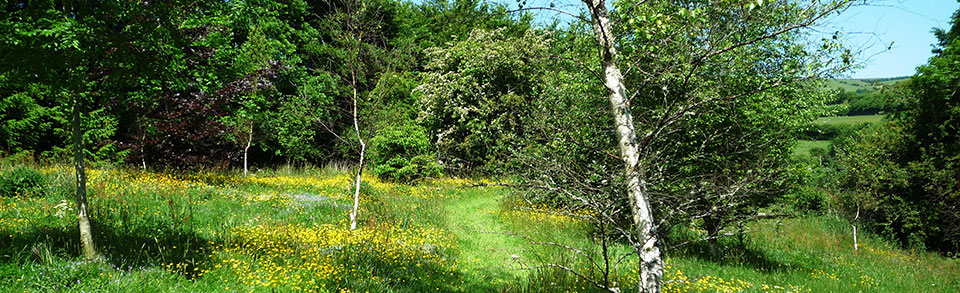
912, 182
475, 95
27, 126
402, 153
65, 36
698, 116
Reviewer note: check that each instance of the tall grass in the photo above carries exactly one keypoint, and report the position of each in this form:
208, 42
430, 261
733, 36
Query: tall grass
286, 230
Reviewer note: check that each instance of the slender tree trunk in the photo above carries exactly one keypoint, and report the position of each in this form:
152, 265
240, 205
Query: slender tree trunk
246, 150
651, 264
855, 221
363, 152
86, 234
143, 154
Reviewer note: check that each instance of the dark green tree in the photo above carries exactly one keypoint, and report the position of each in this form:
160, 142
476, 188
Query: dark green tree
908, 170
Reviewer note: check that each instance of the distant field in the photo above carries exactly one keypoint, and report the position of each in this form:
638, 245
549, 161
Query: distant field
849, 85
852, 85
850, 120
803, 147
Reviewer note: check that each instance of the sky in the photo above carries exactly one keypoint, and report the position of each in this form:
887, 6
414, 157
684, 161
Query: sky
905, 23
867, 28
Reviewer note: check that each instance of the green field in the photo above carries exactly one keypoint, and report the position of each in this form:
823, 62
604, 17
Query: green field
803, 147
850, 120
287, 231
852, 85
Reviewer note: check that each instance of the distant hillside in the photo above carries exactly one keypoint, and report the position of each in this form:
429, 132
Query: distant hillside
863, 85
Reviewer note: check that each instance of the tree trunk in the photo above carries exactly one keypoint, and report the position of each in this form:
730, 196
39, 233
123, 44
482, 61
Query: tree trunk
363, 151
246, 150
651, 264
143, 154
712, 225
86, 235
855, 222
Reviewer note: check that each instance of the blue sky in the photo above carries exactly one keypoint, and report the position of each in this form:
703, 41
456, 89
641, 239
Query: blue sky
906, 23
867, 28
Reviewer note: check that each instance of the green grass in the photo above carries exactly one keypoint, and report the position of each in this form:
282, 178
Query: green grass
850, 120
852, 85
287, 231
816, 254
803, 147
849, 85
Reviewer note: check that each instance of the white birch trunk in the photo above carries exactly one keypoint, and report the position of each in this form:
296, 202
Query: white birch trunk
143, 154
363, 151
246, 150
86, 234
855, 222
651, 264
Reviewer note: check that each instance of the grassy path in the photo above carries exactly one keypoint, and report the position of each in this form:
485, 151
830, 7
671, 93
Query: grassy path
486, 254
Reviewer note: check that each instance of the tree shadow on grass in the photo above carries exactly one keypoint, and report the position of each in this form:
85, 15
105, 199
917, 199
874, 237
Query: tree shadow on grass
175, 249
727, 251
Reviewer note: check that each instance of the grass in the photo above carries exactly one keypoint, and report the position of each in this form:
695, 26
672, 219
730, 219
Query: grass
851, 120
287, 231
803, 147
816, 254
852, 85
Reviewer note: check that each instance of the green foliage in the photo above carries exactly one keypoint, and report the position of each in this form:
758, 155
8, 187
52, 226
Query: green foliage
402, 153
861, 102
475, 97
828, 131
24, 124
905, 172
874, 165
22, 182
810, 201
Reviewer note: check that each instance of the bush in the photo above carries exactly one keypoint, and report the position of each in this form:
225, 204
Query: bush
22, 182
401, 153
810, 201
823, 131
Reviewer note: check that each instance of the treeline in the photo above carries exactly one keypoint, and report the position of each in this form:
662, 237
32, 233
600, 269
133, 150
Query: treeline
885, 79
191, 84
869, 102
900, 178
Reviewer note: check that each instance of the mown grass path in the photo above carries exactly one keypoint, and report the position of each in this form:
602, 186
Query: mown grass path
487, 252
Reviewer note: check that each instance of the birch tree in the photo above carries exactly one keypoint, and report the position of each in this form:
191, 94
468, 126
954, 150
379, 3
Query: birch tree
357, 31
689, 65
651, 261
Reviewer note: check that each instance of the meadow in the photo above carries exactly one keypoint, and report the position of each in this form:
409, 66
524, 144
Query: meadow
287, 230
804, 147
850, 120
864, 85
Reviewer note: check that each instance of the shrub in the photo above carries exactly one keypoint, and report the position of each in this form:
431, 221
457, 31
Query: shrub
823, 131
21, 182
401, 153
810, 201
